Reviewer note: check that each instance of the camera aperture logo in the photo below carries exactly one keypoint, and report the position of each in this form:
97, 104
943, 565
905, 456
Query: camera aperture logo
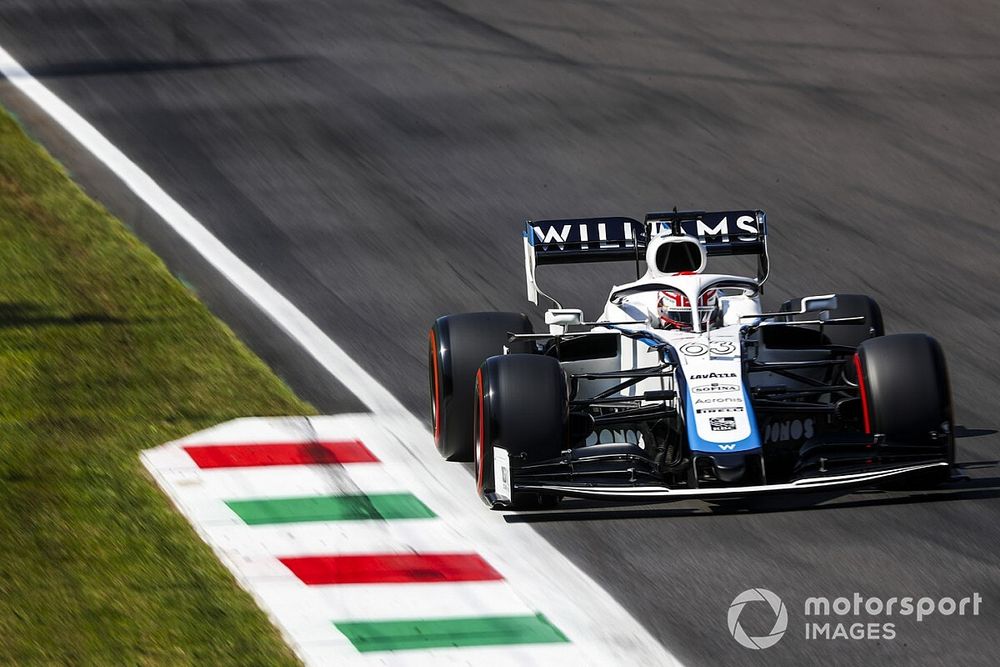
777, 608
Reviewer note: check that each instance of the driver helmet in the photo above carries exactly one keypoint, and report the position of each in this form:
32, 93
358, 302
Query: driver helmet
674, 309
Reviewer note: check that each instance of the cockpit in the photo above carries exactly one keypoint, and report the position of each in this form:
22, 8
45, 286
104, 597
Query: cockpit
675, 294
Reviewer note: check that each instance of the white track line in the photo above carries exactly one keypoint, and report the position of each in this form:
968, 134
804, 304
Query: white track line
573, 601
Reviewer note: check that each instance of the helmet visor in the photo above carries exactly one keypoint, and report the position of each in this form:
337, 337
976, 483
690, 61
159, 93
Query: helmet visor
675, 310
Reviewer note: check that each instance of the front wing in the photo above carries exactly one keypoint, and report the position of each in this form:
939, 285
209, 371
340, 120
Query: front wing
661, 493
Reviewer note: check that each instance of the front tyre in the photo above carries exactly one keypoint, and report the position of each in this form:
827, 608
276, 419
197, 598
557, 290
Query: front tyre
906, 397
457, 347
520, 405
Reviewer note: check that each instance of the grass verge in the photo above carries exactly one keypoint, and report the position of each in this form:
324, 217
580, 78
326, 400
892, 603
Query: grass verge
102, 354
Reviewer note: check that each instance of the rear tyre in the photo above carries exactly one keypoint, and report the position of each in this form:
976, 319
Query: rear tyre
906, 396
848, 305
457, 347
521, 405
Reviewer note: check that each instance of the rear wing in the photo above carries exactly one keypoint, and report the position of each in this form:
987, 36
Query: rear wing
617, 239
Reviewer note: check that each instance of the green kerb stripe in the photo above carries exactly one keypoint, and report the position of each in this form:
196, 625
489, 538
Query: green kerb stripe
331, 508
476, 631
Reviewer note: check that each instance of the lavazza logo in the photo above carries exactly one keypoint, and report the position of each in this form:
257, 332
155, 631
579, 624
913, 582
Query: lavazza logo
854, 618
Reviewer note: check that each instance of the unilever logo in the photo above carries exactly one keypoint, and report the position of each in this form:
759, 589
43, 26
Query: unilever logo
780, 618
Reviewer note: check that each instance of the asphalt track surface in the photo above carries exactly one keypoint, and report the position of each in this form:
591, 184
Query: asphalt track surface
373, 161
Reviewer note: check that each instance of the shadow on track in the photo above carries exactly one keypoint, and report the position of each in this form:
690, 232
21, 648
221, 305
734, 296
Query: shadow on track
964, 489
974, 489
963, 432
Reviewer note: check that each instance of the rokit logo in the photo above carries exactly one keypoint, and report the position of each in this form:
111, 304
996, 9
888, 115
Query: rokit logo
714, 388
712, 376
789, 431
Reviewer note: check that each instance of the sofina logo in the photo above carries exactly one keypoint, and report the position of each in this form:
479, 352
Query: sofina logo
714, 388
780, 618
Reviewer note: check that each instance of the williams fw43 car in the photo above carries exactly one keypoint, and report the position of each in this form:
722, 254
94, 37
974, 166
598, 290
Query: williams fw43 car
683, 387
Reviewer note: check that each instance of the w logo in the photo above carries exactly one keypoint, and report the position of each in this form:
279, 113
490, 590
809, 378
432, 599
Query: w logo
553, 235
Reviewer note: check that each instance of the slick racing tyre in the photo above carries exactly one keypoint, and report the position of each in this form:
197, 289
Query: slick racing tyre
906, 396
521, 406
457, 347
848, 305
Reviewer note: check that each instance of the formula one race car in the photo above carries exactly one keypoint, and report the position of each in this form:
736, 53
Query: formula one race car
683, 387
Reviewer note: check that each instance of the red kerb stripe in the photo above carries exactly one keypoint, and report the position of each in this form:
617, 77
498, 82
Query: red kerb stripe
390, 568
280, 454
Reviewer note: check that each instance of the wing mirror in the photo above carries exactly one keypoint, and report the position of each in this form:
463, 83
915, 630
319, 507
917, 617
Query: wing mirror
811, 304
560, 318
